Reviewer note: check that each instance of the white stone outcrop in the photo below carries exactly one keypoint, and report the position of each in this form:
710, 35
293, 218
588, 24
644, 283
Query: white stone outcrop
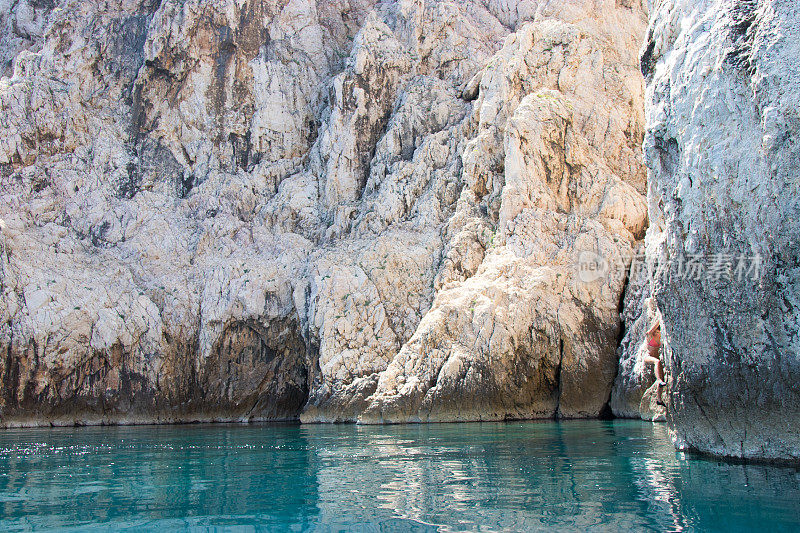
335, 210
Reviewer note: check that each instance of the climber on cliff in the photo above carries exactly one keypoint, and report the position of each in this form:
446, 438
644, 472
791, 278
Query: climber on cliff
652, 357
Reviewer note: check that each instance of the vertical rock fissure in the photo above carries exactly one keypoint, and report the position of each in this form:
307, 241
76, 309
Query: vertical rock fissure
559, 385
202, 161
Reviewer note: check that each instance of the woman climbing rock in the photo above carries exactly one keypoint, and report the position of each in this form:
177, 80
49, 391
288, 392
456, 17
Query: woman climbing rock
652, 357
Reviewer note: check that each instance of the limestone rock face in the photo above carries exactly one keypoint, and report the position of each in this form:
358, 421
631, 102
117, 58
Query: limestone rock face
634, 377
722, 149
341, 210
23, 23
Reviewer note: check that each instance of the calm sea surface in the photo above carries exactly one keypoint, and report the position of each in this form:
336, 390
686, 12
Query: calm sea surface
445, 477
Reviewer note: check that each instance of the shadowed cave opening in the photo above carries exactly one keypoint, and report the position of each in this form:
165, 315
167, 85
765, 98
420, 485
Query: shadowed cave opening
257, 372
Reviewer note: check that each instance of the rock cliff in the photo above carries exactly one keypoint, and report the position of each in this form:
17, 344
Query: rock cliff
342, 210
723, 155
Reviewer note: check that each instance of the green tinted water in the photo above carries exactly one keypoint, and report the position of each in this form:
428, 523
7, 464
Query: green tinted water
443, 477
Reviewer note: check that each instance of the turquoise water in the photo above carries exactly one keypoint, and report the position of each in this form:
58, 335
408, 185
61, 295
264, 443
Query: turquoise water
446, 477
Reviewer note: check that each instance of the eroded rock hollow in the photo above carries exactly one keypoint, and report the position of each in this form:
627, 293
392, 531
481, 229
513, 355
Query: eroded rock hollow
334, 210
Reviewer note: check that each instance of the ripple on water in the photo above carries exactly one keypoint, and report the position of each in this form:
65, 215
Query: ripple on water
443, 477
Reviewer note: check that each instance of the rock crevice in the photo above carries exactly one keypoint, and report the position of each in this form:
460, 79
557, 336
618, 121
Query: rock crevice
722, 264
338, 211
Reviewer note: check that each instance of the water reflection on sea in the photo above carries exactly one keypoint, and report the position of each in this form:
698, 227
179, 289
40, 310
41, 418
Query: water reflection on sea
444, 477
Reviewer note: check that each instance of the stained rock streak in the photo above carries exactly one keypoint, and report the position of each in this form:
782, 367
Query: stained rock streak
334, 210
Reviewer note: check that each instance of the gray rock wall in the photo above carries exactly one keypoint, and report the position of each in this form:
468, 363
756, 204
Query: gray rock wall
722, 149
378, 212
338, 210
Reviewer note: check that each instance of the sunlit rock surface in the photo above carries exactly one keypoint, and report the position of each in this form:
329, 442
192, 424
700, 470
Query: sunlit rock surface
333, 210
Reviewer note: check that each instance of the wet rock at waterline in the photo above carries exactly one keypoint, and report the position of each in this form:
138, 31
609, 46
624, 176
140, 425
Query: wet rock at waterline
343, 210
401, 211
723, 156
